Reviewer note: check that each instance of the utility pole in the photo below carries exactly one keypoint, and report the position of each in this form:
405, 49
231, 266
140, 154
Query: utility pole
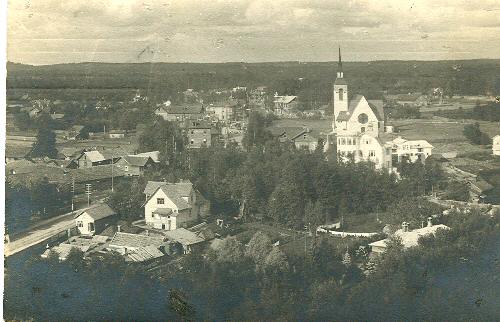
88, 191
112, 177
73, 194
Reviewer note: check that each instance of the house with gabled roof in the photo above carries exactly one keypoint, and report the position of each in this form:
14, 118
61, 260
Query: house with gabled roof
134, 165
181, 113
188, 239
169, 206
411, 150
94, 219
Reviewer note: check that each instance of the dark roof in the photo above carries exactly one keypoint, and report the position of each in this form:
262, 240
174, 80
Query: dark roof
378, 108
183, 236
138, 161
152, 186
174, 191
290, 131
121, 239
98, 211
95, 173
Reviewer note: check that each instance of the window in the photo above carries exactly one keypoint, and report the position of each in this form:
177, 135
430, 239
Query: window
126, 168
354, 141
79, 224
362, 118
362, 129
343, 141
192, 141
372, 153
160, 201
91, 226
341, 94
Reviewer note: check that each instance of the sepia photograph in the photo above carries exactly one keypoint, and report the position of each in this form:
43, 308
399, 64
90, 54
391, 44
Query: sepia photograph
251, 160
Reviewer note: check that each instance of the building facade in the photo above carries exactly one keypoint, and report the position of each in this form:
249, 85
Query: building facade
358, 125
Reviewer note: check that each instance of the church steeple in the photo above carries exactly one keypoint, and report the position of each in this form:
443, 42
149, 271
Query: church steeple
340, 72
340, 95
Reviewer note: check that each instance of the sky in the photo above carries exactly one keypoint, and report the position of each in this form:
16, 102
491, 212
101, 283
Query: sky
43, 32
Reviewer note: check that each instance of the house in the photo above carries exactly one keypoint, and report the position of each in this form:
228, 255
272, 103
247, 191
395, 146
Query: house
136, 247
188, 239
305, 140
496, 145
116, 134
169, 206
94, 219
409, 238
193, 111
411, 150
134, 165
410, 99
154, 155
224, 112
199, 134
283, 105
76, 132
94, 158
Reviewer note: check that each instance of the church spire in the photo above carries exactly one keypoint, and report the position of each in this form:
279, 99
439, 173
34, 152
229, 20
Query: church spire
340, 72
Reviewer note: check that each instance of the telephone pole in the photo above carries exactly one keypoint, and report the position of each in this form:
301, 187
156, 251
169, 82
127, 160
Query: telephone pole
73, 194
112, 177
88, 191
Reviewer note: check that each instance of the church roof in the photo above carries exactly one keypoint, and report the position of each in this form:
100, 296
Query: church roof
375, 105
378, 108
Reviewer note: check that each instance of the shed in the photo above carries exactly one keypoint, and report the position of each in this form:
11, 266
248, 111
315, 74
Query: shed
94, 219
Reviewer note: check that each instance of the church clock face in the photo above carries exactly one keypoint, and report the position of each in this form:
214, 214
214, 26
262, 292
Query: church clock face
362, 118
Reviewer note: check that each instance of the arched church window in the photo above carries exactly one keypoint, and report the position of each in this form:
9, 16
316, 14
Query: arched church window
341, 94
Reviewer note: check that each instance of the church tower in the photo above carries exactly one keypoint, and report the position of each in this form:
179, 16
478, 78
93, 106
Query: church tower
339, 93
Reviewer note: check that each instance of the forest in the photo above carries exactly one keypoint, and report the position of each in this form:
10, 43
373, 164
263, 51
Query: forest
310, 81
261, 282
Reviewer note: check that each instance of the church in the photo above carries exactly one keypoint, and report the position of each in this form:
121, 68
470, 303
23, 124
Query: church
358, 126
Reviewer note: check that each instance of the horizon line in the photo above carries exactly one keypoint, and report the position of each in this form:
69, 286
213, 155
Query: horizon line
256, 62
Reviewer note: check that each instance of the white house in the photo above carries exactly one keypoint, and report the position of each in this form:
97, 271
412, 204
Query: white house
169, 206
411, 150
409, 238
94, 219
496, 145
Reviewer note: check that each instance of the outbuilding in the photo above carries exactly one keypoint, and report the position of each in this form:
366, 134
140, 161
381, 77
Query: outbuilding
94, 219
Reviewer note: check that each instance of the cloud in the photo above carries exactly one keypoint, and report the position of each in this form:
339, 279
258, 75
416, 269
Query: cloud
224, 30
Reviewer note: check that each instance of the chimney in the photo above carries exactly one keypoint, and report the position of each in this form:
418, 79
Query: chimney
147, 232
429, 222
118, 228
